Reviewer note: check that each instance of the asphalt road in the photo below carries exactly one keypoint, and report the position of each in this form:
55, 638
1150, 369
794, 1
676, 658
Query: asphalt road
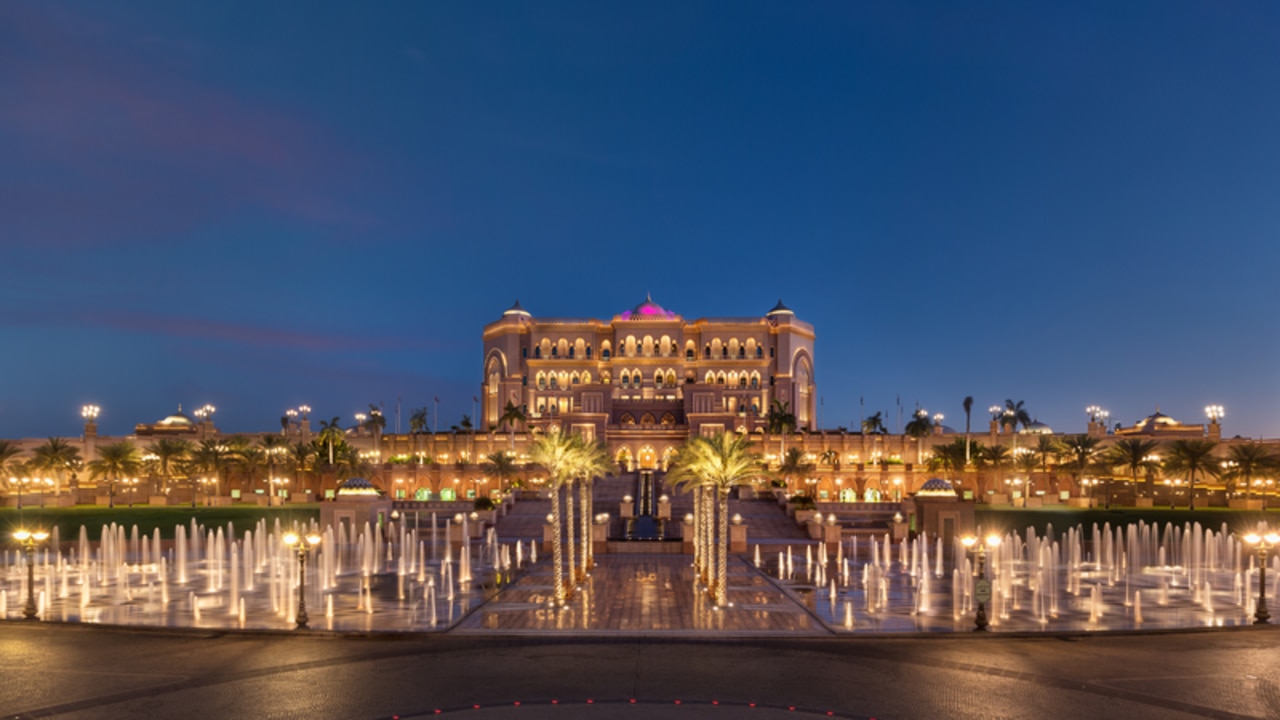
86, 672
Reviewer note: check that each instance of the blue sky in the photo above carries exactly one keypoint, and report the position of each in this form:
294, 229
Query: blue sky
262, 206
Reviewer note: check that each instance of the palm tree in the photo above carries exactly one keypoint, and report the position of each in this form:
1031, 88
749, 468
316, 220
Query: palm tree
995, 458
1249, 461
1134, 455
1192, 457
1027, 463
301, 459
210, 457
331, 433
793, 464
1080, 455
274, 448
719, 463
831, 458
1044, 449
950, 458
1014, 414
919, 428
247, 458
780, 421
115, 461
56, 456
968, 409
417, 425
593, 461
169, 453
557, 453
9, 451
874, 424
375, 423
511, 415
502, 466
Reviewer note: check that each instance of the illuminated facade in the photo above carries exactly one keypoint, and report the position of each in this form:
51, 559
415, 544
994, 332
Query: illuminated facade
647, 379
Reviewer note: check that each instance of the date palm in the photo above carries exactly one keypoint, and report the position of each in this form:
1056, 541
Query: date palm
274, 450
1192, 458
995, 459
968, 410
557, 453
1080, 454
874, 424
780, 421
593, 461
950, 458
793, 464
8, 451
1136, 456
115, 461
512, 415
1045, 449
331, 433
1249, 461
210, 457
56, 457
919, 427
301, 458
169, 453
718, 462
1016, 414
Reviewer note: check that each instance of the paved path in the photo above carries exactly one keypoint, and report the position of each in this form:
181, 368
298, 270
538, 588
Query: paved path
643, 595
90, 673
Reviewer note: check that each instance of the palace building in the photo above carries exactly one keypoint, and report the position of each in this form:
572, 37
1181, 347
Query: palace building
647, 379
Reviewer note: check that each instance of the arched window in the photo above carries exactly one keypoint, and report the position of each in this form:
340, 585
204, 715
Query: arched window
524, 352
711, 378
626, 379
588, 352
742, 382
647, 346
706, 352
542, 381
571, 351
605, 354
671, 378
720, 379
574, 379
586, 378
688, 354
555, 351
658, 379
759, 352
537, 352
755, 380
555, 384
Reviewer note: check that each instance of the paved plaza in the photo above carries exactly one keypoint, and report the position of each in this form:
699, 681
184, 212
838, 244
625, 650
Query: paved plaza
79, 672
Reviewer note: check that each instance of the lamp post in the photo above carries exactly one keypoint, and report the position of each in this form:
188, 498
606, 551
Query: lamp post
982, 588
302, 546
29, 539
1263, 543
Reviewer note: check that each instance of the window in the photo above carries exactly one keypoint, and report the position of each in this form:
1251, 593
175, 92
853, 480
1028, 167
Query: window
524, 352
770, 352
706, 352
555, 351
688, 354
588, 352
571, 351
759, 352
537, 352
604, 354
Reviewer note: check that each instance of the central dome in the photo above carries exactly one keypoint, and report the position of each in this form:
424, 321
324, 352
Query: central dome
647, 310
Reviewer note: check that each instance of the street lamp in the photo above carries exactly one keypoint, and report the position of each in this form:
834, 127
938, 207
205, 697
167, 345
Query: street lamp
1263, 543
1215, 413
90, 412
29, 539
302, 546
982, 588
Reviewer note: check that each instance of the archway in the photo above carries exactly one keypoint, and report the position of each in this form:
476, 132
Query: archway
648, 459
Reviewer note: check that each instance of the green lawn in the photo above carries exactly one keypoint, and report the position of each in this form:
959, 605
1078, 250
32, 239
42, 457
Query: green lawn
1019, 519
69, 520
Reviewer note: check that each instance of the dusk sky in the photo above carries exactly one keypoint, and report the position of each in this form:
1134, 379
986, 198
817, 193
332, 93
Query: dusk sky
258, 205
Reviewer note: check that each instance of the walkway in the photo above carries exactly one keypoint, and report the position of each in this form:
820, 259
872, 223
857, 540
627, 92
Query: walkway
644, 595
